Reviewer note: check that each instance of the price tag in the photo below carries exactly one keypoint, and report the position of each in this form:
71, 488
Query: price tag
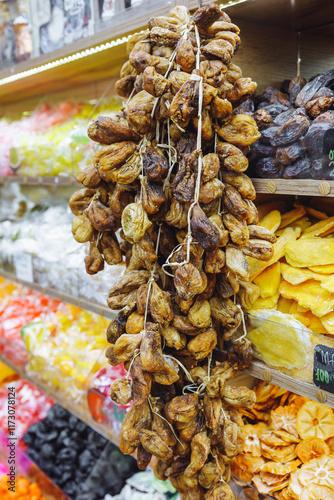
23, 267
323, 369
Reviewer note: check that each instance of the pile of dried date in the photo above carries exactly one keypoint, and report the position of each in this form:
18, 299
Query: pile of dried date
169, 178
293, 124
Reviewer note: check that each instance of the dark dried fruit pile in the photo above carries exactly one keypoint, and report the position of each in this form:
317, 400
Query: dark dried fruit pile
293, 124
187, 225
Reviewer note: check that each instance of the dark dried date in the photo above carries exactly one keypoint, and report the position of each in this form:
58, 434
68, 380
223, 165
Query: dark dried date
289, 154
291, 131
268, 168
301, 169
295, 86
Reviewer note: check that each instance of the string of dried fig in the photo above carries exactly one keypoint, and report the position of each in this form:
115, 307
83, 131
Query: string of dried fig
186, 224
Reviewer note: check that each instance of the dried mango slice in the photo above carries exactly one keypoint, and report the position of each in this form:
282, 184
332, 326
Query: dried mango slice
313, 491
328, 323
295, 275
245, 466
302, 223
268, 303
319, 228
315, 420
308, 252
279, 468
268, 281
285, 418
312, 448
328, 284
328, 234
292, 216
316, 213
256, 266
271, 221
302, 309
310, 295
279, 340
283, 304
272, 206
327, 269
319, 471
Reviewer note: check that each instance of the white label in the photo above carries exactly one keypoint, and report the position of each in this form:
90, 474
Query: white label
23, 267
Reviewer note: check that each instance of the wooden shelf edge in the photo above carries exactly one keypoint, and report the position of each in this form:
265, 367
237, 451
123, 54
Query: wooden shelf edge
73, 408
310, 391
41, 180
82, 303
296, 187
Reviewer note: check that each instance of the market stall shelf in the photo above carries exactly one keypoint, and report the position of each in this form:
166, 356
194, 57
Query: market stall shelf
36, 181
295, 187
82, 303
77, 409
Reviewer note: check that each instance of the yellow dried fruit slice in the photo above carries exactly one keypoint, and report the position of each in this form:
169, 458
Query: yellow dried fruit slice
319, 228
256, 266
279, 468
285, 418
265, 391
328, 283
315, 420
264, 489
273, 479
285, 494
271, 439
252, 440
308, 252
295, 275
316, 325
292, 216
302, 224
284, 399
316, 492
330, 444
267, 303
312, 448
319, 471
327, 269
268, 281
287, 437
310, 295
280, 340
296, 400
277, 207
316, 213
279, 453
283, 304
245, 466
295, 487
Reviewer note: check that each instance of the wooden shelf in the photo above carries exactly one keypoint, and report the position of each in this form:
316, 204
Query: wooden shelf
41, 180
82, 303
300, 187
76, 408
263, 372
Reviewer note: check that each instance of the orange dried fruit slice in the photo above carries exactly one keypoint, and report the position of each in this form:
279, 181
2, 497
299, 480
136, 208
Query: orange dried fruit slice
315, 420
285, 418
297, 401
316, 492
312, 448
271, 439
264, 489
265, 391
273, 479
284, 398
286, 436
295, 487
279, 453
286, 495
245, 466
280, 468
252, 441
330, 444
318, 471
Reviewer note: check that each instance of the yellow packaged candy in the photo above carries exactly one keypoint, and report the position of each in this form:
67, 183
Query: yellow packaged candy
309, 294
278, 339
268, 281
308, 252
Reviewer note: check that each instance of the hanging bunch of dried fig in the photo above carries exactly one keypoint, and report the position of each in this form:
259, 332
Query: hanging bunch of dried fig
169, 178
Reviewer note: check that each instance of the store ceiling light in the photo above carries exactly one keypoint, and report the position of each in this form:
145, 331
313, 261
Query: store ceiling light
64, 60
84, 53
